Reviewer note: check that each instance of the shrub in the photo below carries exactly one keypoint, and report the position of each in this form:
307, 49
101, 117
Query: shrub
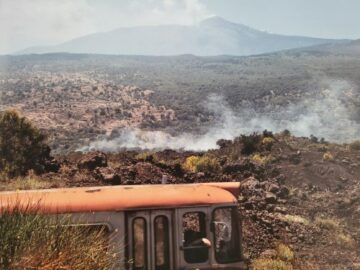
147, 156
328, 156
22, 146
263, 160
345, 240
250, 143
327, 223
190, 163
201, 164
268, 140
268, 134
355, 146
271, 264
33, 241
314, 139
295, 219
286, 133
285, 253
207, 165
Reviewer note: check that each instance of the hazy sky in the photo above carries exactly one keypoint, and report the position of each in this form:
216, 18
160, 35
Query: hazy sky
26, 23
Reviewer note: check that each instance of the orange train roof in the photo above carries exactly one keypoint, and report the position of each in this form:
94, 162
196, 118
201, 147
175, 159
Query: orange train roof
71, 200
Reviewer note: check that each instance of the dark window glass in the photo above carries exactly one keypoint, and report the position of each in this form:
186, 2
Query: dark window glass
226, 232
194, 230
162, 245
139, 244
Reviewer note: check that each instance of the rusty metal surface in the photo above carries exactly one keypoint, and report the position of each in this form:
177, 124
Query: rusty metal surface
72, 200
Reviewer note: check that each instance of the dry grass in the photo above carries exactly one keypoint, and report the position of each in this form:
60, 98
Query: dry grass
263, 160
294, 219
271, 264
32, 241
204, 164
345, 240
283, 261
327, 223
285, 253
148, 156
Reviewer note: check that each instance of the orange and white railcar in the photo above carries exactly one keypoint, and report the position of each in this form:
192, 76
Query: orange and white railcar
156, 227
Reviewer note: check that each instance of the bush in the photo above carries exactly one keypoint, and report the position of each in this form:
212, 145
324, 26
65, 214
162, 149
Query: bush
345, 240
204, 164
147, 157
207, 165
268, 141
285, 253
33, 241
22, 146
355, 146
327, 223
190, 163
250, 143
286, 133
263, 160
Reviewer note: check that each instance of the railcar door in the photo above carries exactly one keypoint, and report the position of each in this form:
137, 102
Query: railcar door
150, 240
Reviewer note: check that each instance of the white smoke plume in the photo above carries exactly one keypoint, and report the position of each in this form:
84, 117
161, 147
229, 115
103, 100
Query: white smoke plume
325, 115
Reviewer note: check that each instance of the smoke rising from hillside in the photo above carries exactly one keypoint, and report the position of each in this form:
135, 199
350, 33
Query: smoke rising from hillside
325, 116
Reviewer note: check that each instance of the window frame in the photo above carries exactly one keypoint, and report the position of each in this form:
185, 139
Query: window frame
238, 232
145, 262
166, 233
204, 214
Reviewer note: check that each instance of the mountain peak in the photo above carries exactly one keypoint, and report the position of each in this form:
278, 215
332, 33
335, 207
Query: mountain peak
215, 20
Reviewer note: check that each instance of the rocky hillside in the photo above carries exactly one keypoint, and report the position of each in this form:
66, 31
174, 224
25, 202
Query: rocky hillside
303, 192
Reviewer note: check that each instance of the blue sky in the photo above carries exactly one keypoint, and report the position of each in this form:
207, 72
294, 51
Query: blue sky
25, 23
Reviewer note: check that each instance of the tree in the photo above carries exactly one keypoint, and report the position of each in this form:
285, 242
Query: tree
22, 145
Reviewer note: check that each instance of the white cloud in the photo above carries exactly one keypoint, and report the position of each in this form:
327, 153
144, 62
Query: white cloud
25, 23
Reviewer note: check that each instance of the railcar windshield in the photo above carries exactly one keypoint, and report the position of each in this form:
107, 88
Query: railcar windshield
226, 235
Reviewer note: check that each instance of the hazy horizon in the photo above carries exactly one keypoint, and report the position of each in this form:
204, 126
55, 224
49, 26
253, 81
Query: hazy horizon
26, 24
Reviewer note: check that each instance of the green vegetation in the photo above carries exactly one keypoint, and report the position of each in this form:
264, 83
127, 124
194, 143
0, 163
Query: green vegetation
327, 223
22, 146
284, 260
23, 183
204, 164
271, 264
147, 157
33, 241
285, 253
263, 160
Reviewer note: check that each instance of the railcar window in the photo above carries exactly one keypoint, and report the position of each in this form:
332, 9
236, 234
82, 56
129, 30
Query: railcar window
139, 244
226, 232
162, 245
194, 229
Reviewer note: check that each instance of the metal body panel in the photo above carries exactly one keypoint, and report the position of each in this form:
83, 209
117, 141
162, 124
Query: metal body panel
75, 200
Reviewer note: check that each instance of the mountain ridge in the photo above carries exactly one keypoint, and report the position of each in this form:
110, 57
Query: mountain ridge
212, 36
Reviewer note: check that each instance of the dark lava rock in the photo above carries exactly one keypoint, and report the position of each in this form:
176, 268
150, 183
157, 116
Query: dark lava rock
283, 192
108, 176
250, 184
270, 197
92, 161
